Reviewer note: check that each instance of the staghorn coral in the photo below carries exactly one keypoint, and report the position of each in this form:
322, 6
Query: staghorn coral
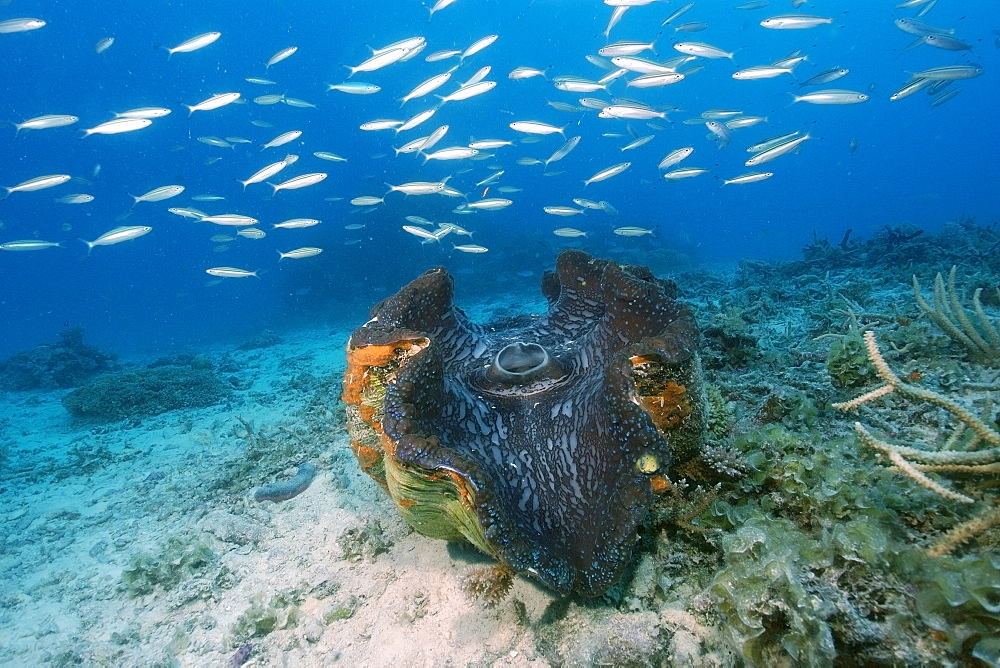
949, 315
972, 448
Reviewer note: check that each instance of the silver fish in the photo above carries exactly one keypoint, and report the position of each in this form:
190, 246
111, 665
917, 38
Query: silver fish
118, 126
418, 187
298, 253
749, 177
826, 76
296, 223
281, 55
471, 90
297, 182
355, 88
684, 173
117, 236
562, 211
626, 48
426, 87
536, 128
563, 150
795, 22
158, 194
607, 173
490, 204
144, 112
265, 173
777, 151
655, 79
77, 198
478, 46
282, 139
29, 245
631, 231
231, 219
378, 61
195, 43
772, 142
525, 73
214, 102
38, 183
46, 122
950, 72
231, 272
20, 25
831, 96
702, 50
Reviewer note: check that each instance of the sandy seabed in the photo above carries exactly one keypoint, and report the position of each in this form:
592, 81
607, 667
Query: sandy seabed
333, 576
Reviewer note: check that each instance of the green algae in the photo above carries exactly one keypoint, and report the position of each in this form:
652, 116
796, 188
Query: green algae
178, 559
265, 615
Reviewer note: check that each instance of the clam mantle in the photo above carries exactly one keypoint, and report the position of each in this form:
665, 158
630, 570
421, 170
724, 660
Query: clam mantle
542, 440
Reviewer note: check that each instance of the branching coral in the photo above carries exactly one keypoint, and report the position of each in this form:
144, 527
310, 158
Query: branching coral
949, 315
973, 447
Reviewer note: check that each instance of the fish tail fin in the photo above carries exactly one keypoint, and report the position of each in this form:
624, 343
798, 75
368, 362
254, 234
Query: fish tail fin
245, 183
389, 186
190, 109
352, 71
4, 195
86, 133
795, 98
275, 191
424, 156
90, 245
282, 257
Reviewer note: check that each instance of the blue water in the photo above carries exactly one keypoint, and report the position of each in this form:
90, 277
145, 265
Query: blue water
913, 163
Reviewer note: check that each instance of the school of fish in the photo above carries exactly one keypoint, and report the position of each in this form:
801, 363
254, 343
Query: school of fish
484, 175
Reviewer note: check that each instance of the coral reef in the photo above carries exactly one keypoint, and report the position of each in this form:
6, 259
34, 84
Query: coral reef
265, 339
145, 392
63, 364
